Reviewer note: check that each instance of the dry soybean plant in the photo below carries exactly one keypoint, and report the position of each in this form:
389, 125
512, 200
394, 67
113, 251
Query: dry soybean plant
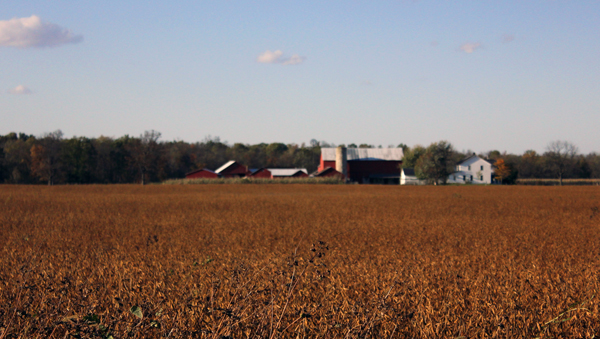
301, 261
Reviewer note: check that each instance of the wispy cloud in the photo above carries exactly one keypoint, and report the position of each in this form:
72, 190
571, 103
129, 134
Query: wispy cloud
506, 38
20, 90
33, 32
470, 47
277, 57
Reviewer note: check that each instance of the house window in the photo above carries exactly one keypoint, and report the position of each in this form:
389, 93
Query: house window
481, 178
482, 167
471, 178
469, 167
464, 177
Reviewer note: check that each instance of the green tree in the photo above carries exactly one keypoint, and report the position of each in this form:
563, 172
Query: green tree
437, 163
412, 155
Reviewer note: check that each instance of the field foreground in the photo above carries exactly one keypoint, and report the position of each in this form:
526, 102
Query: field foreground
287, 261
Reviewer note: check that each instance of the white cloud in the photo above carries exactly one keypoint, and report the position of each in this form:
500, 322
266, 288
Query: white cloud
294, 60
276, 57
20, 90
33, 32
470, 47
269, 57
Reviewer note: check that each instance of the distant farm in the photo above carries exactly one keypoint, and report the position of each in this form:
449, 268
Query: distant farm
307, 261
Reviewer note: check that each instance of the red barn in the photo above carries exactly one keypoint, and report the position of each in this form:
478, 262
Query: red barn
364, 165
202, 173
326, 173
232, 169
262, 173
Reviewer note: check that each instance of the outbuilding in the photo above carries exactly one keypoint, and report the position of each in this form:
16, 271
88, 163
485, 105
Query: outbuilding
232, 169
288, 173
203, 173
409, 177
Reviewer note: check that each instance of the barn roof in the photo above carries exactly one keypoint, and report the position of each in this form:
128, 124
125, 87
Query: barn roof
200, 170
286, 172
365, 154
224, 167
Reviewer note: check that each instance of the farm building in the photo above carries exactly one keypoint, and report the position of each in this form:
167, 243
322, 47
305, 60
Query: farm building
288, 173
326, 173
203, 173
262, 173
232, 169
472, 170
364, 165
408, 177
274, 173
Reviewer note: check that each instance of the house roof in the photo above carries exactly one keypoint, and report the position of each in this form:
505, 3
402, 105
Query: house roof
409, 171
286, 172
365, 154
224, 167
475, 156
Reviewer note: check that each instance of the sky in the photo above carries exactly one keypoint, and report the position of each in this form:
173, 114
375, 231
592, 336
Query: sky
483, 75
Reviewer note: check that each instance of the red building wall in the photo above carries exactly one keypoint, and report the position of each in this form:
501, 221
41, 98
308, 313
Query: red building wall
330, 173
359, 170
235, 171
261, 173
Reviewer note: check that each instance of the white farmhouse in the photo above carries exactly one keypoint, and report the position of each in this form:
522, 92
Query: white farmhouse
472, 170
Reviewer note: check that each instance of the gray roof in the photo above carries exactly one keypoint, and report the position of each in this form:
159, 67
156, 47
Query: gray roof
388, 154
475, 155
286, 172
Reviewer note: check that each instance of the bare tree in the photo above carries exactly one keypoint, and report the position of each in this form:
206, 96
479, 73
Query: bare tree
145, 151
561, 156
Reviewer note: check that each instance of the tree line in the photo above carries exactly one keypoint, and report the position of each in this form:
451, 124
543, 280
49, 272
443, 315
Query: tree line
53, 159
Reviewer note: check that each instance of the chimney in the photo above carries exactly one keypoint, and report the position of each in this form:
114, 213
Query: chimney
341, 161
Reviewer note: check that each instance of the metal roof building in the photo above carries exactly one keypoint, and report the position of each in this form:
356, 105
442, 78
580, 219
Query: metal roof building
365, 165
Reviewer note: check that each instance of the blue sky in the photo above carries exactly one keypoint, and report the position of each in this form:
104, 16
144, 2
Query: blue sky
510, 75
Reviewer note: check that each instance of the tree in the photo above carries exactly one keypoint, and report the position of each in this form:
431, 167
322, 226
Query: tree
561, 157
437, 163
145, 153
45, 157
412, 155
502, 170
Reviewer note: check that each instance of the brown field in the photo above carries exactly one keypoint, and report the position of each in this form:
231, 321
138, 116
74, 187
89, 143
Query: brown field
299, 261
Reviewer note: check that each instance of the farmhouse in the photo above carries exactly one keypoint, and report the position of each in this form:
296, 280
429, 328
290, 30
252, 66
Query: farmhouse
364, 165
203, 173
472, 170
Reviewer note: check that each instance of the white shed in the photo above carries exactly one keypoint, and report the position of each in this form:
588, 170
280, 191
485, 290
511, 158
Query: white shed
408, 177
